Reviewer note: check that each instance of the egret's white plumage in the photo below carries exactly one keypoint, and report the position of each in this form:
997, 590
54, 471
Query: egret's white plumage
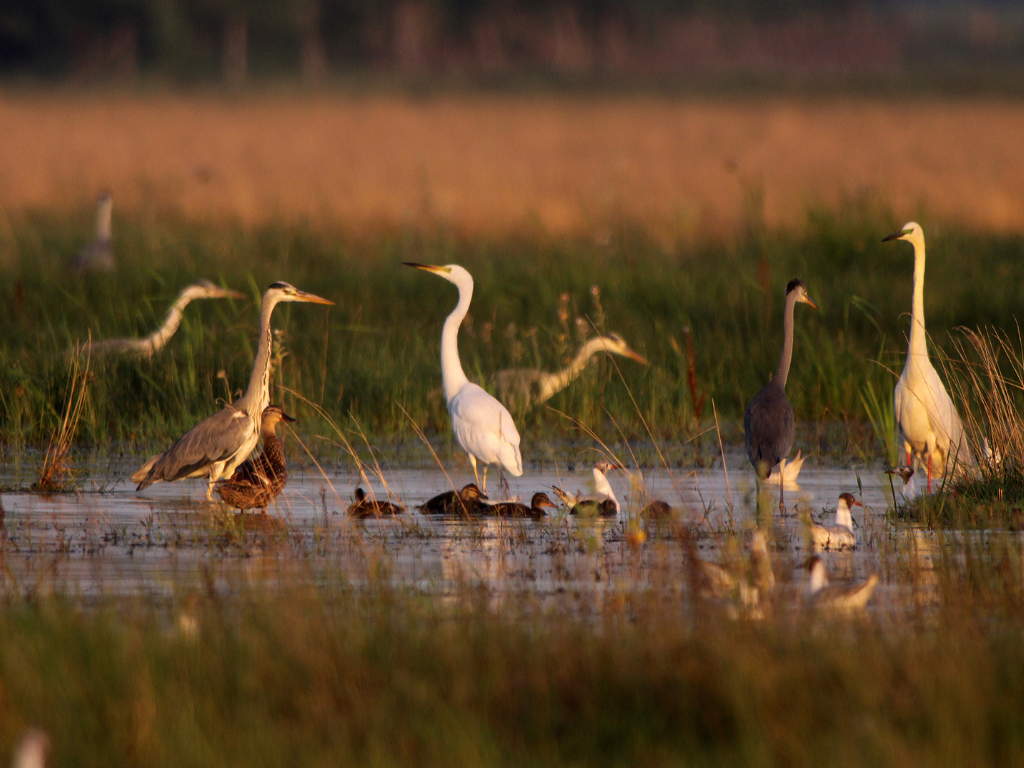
482, 426
925, 415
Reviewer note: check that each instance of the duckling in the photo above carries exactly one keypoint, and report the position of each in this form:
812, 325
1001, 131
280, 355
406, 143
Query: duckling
259, 479
834, 597
840, 535
465, 503
364, 507
538, 504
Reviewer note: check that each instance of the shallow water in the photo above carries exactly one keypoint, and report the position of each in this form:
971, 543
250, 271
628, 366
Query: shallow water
113, 540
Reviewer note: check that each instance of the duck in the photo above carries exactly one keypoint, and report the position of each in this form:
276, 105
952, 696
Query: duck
836, 598
658, 510
466, 503
538, 504
258, 480
364, 507
602, 504
840, 535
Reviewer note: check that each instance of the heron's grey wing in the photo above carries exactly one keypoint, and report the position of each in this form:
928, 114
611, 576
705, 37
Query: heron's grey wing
214, 439
769, 429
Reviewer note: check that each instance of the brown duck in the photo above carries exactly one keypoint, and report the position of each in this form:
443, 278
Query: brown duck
365, 507
465, 503
538, 503
259, 479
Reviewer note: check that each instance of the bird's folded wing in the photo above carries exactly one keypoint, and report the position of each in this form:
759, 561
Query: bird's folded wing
214, 439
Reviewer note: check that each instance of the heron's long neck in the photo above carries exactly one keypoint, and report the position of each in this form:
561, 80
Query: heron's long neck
452, 375
162, 335
257, 395
918, 341
782, 372
103, 215
604, 488
556, 382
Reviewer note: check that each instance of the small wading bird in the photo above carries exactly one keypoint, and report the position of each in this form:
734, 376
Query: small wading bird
365, 507
926, 418
768, 426
482, 426
840, 535
466, 503
148, 346
837, 598
98, 256
259, 479
538, 504
217, 445
524, 387
602, 504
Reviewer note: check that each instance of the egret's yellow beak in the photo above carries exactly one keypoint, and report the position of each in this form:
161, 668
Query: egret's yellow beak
427, 267
312, 298
896, 235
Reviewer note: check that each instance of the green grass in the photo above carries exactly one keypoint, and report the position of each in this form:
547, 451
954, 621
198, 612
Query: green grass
376, 352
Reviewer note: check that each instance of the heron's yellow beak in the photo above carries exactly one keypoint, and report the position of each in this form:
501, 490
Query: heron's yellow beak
230, 294
807, 300
427, 267
312, 298
636, 356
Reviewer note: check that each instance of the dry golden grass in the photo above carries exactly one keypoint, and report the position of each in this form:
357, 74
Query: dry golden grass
503, 163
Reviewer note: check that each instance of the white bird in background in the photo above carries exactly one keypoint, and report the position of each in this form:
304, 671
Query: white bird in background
98, 255
839, 535
906, 475
602, 503
790, 472
925, 415
525, 387
482, 426
149, 345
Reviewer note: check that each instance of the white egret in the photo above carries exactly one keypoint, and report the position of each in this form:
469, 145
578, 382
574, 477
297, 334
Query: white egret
839, 535
925, 415
218, 444
482, 426
525, 387
768, 426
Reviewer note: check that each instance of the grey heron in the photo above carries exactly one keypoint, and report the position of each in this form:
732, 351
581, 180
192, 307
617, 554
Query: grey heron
150, 345
259, 479
768, 426
925, 415
218, 444
836, 598
840, 534
465, 503
525, 387
98, 255
538, 504
365, 507
482, 425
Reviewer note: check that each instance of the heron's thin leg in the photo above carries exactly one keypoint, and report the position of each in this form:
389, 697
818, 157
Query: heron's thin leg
782, 486
908, 456
929, 472
209, 489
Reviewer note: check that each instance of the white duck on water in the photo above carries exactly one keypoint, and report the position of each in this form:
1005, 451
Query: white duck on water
925, 415
840, 534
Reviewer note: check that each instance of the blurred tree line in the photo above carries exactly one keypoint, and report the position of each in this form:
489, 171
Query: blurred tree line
189, 40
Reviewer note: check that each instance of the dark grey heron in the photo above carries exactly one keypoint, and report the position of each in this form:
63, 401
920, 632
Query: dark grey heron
524, 387
98, 255
150, 345
217, 445
768, 423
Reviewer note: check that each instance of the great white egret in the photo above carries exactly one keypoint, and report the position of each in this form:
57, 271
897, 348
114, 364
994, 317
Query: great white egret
538, 504
217, 445
259, 479
465, 503
149, 345
768, 426
365, 507
925, 415
482, 426
525, 387
836, 598
98, 255
839, 535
